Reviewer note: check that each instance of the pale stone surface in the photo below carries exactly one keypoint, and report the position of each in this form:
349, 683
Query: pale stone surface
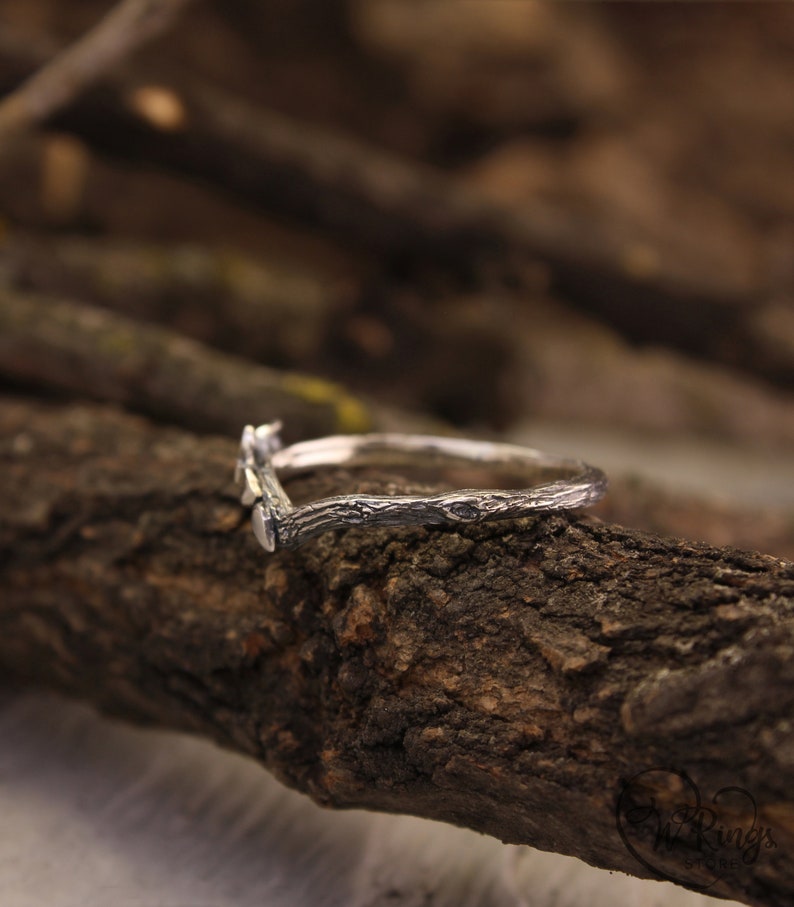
94, 812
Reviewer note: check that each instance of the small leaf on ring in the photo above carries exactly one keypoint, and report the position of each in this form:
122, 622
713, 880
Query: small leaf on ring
264, 527
252, 490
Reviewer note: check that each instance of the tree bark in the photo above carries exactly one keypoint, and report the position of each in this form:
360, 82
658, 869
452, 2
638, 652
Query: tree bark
510, 677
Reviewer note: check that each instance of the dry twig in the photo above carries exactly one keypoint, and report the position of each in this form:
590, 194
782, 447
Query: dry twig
116, 37
93, 353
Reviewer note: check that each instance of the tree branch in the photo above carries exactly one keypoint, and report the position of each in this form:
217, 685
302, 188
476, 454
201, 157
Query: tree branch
116, 37
394, 207
507, 677
261, 308
474, 356
63, 347
66, 347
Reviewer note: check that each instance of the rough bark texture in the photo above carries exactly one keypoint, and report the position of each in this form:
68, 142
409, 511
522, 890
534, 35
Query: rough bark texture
507, 677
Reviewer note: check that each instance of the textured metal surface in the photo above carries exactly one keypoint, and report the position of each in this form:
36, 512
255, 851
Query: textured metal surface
277, 522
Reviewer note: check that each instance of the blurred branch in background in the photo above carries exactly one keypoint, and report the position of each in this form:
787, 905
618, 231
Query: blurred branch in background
408, 211
492, 217
53, 344
698, 284
128, 26
528, 351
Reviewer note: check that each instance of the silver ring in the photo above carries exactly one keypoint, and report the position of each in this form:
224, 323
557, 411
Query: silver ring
278, 523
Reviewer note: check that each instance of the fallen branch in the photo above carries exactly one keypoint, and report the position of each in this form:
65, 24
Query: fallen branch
65, 347
472, 356
62, 80
290, 315
508, 677
399, 209
257, 307
406, 211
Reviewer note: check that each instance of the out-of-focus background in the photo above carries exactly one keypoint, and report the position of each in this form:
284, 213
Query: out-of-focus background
568, 224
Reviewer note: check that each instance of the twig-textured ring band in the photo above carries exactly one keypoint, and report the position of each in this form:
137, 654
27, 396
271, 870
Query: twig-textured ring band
277, 522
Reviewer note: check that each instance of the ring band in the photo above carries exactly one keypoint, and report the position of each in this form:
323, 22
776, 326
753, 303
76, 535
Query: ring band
278, 523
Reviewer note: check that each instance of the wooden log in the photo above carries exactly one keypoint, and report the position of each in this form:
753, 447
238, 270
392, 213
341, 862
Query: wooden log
464, 357
655, 282
510, 677
402, 209
293, 315
61, 346
256, 307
